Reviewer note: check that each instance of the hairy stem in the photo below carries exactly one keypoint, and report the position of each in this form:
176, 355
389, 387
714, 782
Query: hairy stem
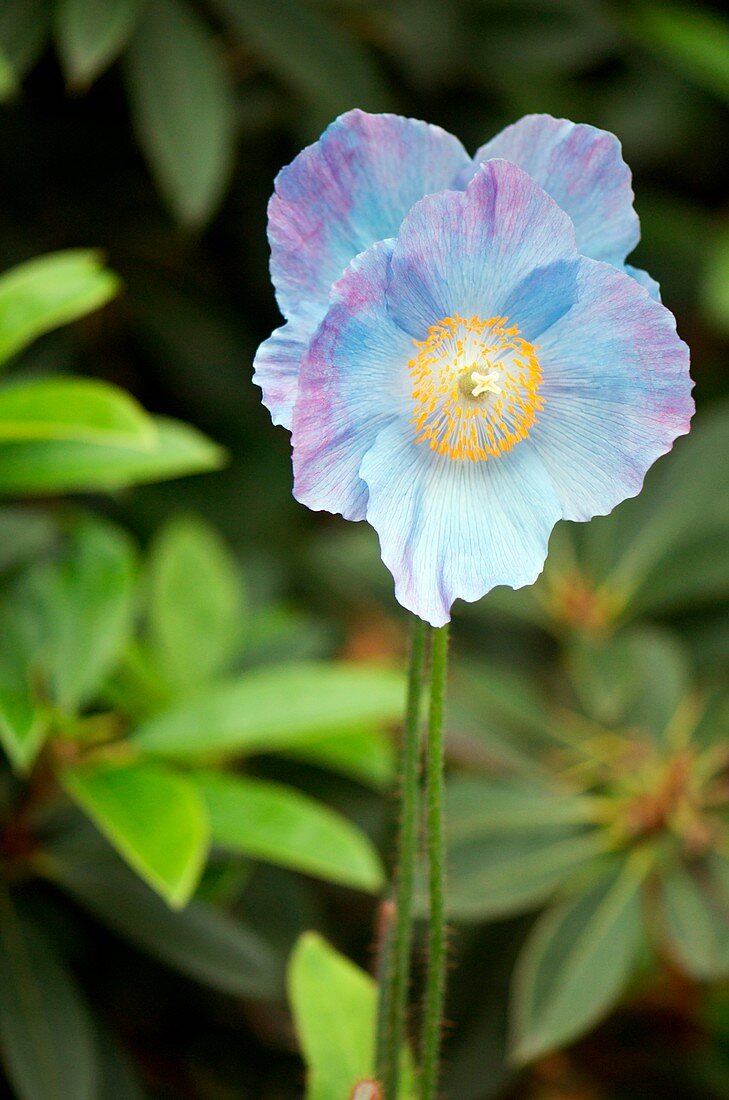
435, 981
397, 948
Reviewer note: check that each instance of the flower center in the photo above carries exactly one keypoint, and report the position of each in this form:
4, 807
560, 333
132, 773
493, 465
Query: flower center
475, 387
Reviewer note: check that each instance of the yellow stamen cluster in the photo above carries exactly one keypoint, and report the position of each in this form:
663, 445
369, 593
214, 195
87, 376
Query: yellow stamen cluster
475, 387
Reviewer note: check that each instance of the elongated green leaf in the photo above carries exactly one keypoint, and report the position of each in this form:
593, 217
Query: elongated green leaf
89, 603
682, 499
275, 823
694, 38
49, 291
91, 33
368, 757
575, 964
335, 1006
45, 1029
696, 917
715, 288
24, 26
277, 708
35, 467
329, 69
154, 818
8, 80
182, 108
207, 945
23, 722
194, 606
479, 808
76, 409
502, 874
636, 678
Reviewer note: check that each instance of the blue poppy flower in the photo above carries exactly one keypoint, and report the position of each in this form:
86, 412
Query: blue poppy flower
466, 359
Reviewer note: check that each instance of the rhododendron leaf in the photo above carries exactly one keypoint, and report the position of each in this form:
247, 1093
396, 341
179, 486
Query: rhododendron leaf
48, 291
275, 709
194, 603
154, 817
496, 875
637, 678
35, 467
575, 964
91, 33
76, 409
182, 108
200, 941
695, 39
335, 1008
694, 905
46, 1030
87, 610
328, 68
280, 825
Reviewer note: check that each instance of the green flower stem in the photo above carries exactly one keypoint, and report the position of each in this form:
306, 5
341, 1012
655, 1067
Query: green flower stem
435, 980
397, 946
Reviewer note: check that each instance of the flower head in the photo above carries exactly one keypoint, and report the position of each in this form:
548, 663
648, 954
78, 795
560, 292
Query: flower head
467, 359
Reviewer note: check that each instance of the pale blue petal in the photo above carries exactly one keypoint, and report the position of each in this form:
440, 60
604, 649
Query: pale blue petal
454, 530
353, 381
276, 368
582, 168
616, 391
467, 252
349, 189
645, 280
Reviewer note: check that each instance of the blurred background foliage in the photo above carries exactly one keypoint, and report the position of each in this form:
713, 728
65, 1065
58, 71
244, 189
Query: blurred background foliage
197, 685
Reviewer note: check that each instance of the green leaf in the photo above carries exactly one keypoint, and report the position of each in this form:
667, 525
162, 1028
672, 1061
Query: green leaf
52, 467
497, 875
49, 291
89, 603
328, 69
682, 499
154, 818
478, 808
271, 709
76, 409
45, 1029
695, 911
23, 722
368, 757
280, 825
8, 81
198, 941
636, 678
91, 33
24, 28
182, 108
575, 964
335, 1007
715, 288
24, 534
694, 39
195, 603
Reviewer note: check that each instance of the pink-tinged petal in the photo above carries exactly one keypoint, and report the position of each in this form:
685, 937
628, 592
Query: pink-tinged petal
353, 381
276, 369
468, 252
616, 390
455, 530
645, 280
582, 168
349, 189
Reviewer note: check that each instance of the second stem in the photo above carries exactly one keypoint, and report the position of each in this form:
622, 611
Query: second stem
435, 843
